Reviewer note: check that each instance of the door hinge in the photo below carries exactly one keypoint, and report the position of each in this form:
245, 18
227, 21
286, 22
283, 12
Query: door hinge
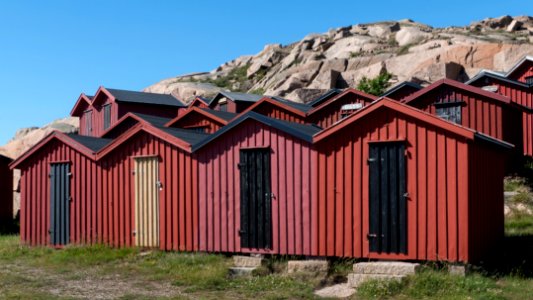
270, 196
406, 195
242, 232
371, 160
239, 166
371, 236
159, 185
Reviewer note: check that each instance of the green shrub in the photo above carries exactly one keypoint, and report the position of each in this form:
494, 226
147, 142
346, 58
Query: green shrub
375, 86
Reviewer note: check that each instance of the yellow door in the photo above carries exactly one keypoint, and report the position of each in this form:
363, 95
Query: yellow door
147, 201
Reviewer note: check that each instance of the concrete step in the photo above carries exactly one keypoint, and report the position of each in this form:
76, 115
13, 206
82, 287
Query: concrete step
354, 280
386, 268
307, 266
241, 271
246, 261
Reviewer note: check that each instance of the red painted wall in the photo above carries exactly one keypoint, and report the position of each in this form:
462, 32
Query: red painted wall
35, 195
277, 112
118, 110
483, 114
329, 112
522, 96
438, 174
402, 93
219, 197
102, 194
525, 70
6, 190
196, 120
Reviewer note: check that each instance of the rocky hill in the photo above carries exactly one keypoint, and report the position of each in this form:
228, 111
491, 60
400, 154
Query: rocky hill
341, 57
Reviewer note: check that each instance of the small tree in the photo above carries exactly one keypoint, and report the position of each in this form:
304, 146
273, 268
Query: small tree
375, 86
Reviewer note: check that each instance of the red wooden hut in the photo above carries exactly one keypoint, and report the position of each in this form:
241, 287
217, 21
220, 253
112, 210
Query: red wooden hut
200, 102
402, 90
522, 71
518, 92
233, 102
99, 112
6, 190
393, 182
277, 187
201, 119
472, 107
325, 112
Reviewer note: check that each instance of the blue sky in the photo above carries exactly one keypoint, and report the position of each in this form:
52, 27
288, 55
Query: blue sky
51, 51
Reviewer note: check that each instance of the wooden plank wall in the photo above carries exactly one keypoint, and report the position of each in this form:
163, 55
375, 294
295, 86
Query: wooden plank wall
437, 185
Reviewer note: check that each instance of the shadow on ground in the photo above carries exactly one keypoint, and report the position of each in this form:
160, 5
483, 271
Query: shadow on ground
514, 256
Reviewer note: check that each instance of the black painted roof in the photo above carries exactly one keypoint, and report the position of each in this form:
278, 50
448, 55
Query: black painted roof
299, 106
401, 85
237, 97
221, 114
495, 75
154, 120
190, 136
302, 131
327, 95
145, 98
95, 144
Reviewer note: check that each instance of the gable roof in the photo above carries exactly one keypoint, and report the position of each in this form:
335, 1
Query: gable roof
82, 145
401, 85
339, 96
136, 118
221, 117
181, 138
237, 97
301, 131
279, 102
81, 105
458, 85
519, 64
296, 105
412, 112
145, 98
324, 97
95, 144
497, 76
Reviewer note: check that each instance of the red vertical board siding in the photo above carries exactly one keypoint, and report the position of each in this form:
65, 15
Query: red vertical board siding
520, 95
522, 72
433, 166
198, 120
288, 231
276, 112
330, 112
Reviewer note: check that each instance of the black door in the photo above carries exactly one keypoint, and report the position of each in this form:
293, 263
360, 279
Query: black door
388, 198
59, 203
256, 211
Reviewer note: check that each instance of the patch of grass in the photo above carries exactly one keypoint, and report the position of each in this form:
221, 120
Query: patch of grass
511, 184
519, 224
431, 284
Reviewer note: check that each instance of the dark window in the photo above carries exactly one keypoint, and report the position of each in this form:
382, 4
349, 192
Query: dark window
529, 80
88, 115
107, 116
450, 111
